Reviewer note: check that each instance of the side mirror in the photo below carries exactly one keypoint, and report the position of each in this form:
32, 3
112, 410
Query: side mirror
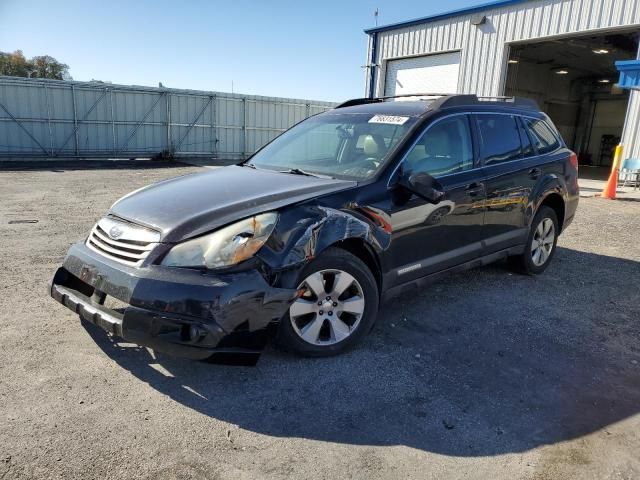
425, 186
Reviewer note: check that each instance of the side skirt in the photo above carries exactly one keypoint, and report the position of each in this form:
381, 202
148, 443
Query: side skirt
478, 262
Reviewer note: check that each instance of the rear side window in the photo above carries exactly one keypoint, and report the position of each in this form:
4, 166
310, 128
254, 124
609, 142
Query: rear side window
542, 136
500, 138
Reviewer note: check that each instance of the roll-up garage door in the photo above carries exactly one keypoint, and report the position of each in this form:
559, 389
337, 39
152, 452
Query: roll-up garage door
429, 74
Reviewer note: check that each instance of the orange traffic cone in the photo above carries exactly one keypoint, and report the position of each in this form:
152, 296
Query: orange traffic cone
609, 190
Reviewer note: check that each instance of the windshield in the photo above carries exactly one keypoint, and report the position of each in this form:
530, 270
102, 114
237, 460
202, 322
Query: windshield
351, 146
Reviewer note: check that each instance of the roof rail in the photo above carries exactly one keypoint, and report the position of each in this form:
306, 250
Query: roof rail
357, 101
447, 100
407, 95
467, 99
362, 101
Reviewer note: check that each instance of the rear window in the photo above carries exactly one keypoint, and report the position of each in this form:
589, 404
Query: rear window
500, 138
542, 136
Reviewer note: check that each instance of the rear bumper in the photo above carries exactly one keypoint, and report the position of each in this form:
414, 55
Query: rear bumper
178, 311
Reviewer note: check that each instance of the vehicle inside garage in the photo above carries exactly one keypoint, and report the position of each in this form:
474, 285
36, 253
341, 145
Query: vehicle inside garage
573, 80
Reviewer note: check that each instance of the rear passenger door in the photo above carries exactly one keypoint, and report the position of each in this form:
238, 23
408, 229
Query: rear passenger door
510, 172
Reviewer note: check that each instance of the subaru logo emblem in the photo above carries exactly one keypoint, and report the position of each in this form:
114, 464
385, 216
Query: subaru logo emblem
115, 232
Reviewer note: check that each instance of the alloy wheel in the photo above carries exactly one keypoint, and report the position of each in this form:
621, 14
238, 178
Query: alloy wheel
329, 308
542, 242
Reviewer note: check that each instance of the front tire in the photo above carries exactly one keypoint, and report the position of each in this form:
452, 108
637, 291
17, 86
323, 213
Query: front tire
336, 309
541, 244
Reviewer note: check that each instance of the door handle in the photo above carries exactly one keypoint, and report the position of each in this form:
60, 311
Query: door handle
474, 189
535, 173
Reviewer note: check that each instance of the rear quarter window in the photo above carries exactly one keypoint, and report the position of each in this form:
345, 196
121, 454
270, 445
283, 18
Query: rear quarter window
525, 139
542, 136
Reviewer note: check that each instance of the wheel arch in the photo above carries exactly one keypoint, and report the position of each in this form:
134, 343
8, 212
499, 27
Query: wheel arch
358, 247
556, 202
304, 234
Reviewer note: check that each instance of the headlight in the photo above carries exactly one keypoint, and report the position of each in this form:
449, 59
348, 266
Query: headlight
225, 247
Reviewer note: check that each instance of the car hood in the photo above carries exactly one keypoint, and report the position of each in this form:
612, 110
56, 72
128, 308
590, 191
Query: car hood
188, 206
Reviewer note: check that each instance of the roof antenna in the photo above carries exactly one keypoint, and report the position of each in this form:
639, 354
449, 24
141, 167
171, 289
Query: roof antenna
375, 15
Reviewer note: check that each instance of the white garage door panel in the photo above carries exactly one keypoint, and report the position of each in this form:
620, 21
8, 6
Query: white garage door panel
428, 74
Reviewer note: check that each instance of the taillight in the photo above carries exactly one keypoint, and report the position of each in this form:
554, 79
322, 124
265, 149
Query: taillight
573, 160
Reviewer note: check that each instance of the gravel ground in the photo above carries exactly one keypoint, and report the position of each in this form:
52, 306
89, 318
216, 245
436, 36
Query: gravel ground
484, 375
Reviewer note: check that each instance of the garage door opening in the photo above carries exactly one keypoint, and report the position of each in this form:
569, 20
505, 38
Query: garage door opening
573, 81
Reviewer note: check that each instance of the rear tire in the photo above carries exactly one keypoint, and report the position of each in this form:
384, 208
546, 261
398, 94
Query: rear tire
338, 307
541, 244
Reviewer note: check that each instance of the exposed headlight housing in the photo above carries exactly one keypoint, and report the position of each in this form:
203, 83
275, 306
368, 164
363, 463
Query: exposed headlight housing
225, 247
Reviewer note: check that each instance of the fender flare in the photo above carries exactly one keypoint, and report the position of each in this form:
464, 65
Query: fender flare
551, 184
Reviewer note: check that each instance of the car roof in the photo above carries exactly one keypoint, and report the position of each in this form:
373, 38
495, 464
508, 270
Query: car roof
410, 106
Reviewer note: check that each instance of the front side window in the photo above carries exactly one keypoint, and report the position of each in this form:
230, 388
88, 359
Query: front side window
341, 145
443, 149
542, 136
500, 138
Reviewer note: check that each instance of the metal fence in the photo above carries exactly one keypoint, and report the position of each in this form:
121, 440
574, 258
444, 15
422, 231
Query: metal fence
50, 118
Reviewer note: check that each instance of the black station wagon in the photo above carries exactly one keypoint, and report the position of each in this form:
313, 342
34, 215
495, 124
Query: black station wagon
304, 239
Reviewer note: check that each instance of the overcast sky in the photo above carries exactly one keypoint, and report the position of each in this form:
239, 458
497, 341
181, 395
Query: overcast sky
299, 49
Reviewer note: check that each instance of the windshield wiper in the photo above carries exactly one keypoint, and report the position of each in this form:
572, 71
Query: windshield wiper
299, 171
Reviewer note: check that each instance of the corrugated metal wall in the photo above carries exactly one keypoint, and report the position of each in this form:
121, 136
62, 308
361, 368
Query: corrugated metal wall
49, 118
484, 48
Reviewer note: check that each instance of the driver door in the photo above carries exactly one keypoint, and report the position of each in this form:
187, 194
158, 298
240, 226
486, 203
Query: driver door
428, 237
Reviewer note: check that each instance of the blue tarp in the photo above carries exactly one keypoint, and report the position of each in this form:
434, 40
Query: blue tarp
629, 74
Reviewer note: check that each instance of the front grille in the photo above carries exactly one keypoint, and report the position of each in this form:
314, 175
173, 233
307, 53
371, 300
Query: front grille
123, 242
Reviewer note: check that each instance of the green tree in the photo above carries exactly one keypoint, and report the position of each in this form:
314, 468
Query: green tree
15, 64
46, 66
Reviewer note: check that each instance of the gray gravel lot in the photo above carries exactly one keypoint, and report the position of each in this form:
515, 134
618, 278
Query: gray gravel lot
483, 375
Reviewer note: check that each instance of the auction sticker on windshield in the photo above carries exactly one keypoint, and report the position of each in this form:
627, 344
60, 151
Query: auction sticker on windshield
389, 119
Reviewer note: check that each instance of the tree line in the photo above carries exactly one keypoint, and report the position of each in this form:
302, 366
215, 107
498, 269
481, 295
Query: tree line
44, 66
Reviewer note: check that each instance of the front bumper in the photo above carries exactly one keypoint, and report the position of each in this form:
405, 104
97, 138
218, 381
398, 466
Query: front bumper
178, 311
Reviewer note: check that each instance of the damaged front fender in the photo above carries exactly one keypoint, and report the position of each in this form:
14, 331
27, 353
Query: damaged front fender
301, 236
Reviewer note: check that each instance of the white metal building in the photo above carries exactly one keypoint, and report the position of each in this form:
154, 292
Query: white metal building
559, 52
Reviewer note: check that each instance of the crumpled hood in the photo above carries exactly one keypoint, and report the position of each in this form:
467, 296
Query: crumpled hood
187, 206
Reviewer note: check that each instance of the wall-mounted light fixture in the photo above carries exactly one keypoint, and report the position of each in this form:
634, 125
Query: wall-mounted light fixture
512, 61
561, 71
478, 20
600, 51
